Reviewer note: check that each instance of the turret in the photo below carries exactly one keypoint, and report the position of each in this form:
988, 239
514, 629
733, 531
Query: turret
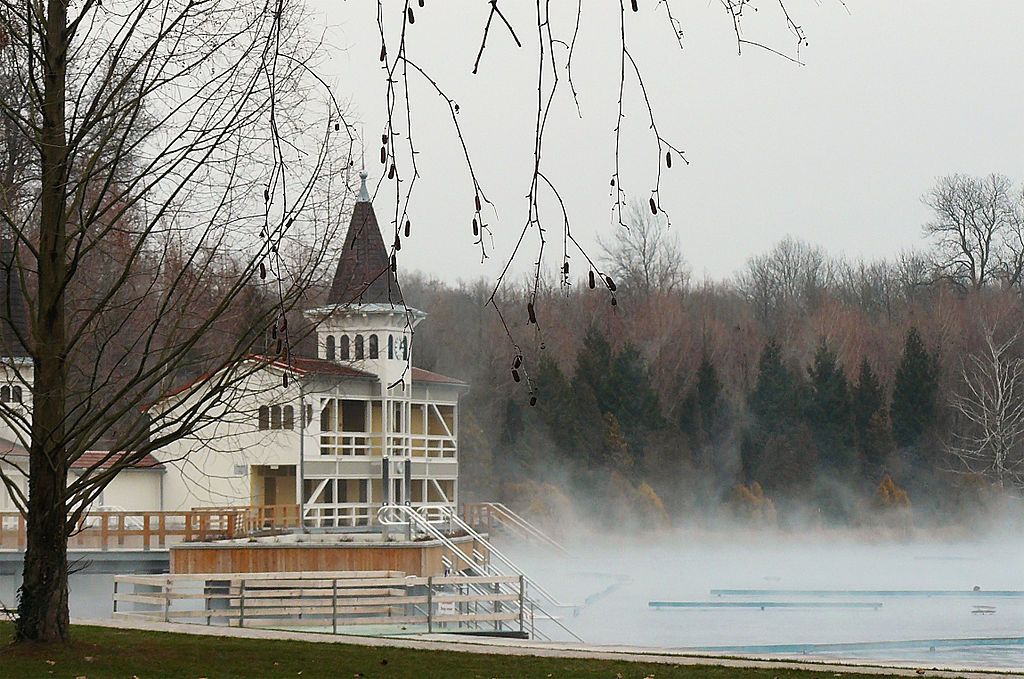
366, 323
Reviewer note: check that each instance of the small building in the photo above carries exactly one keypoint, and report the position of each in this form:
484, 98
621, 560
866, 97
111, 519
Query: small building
339, 434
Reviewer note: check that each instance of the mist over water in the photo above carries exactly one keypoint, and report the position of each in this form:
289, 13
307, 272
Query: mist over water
614, 580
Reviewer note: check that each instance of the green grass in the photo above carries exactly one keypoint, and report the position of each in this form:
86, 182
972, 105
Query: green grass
101, 653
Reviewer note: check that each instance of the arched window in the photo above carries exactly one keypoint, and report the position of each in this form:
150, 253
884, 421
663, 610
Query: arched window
288, 418
374, 350
264, 417
5, 394
275, 417
330, 347
391, 346
405, 348
16, 394
344, 348
359, 347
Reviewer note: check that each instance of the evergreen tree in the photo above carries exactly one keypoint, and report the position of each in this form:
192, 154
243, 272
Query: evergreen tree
557, 406
870, 420
632, 398
867, 399
775, 401
593, 363
828, 409
914, 392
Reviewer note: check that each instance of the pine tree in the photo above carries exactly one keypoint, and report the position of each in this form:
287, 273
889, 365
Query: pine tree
914, 392
775, 401
828, 409
870, 420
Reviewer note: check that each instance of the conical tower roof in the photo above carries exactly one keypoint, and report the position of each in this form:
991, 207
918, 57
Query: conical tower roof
364, 274
13, 316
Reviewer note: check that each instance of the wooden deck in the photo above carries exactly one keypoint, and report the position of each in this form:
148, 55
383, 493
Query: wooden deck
158, 530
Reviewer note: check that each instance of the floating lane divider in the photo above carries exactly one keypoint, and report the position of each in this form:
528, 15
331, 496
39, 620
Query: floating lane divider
763, 604
981, 593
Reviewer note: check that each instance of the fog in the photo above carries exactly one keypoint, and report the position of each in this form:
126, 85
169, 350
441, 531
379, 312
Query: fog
614, 581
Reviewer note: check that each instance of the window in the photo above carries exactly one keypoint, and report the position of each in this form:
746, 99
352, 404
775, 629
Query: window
374, 350
344, 348
275, 417
391, 346
330, 348
405, 348
359, 347
288, 418
16, 394
5, 394
264, 417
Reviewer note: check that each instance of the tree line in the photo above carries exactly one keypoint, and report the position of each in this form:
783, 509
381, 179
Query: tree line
826, 382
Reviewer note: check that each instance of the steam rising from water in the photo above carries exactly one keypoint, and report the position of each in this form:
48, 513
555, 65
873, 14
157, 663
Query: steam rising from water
615, 579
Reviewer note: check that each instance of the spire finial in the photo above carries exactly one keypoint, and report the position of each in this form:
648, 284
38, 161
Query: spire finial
364, 195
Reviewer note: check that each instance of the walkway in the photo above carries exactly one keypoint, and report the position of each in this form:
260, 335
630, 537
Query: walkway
442, 642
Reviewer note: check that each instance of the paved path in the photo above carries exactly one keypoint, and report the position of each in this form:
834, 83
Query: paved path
497, 646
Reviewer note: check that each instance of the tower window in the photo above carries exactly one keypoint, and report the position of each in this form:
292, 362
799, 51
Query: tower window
405, 348
391, 346
359, 347
16, 394
5, 394
344, 348
330, 347
288, 418
374, 350
275, 417
264, 417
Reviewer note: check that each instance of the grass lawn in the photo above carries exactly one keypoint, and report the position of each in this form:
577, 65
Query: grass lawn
101, 653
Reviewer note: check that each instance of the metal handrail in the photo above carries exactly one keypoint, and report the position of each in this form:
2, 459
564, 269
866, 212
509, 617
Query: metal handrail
506, 515
485, 564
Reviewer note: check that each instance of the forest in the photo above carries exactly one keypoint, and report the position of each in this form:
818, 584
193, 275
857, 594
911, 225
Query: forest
807, 389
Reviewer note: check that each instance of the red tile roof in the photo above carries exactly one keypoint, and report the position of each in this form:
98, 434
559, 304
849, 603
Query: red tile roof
315, 366
91, 458
421, 375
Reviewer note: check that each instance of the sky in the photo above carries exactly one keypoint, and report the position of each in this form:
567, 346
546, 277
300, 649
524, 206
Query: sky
837, 151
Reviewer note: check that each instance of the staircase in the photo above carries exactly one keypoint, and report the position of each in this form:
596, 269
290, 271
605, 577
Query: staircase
489, 516
484, 559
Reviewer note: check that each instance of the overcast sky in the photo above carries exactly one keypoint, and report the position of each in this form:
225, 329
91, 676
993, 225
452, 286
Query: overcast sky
837, 152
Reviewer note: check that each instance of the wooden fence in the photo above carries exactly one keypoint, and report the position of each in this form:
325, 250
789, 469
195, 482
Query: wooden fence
157, 530
330, 601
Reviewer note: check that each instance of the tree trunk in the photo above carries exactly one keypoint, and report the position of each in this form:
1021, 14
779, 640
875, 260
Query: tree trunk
43, 597
43, 601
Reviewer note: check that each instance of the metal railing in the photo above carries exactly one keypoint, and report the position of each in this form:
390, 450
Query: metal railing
488, 515
488, 561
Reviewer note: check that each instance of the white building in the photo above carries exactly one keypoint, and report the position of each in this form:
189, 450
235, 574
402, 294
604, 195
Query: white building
320, 438
352, 429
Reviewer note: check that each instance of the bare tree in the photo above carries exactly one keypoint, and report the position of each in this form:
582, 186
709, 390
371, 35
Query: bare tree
178, 148
990, 405
794, 275
977, 229
644, 256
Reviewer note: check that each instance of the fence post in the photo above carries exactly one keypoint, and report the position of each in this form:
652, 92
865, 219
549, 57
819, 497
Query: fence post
334, 604
241, 603
522, 607
167, 599
104, 530
430, 603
